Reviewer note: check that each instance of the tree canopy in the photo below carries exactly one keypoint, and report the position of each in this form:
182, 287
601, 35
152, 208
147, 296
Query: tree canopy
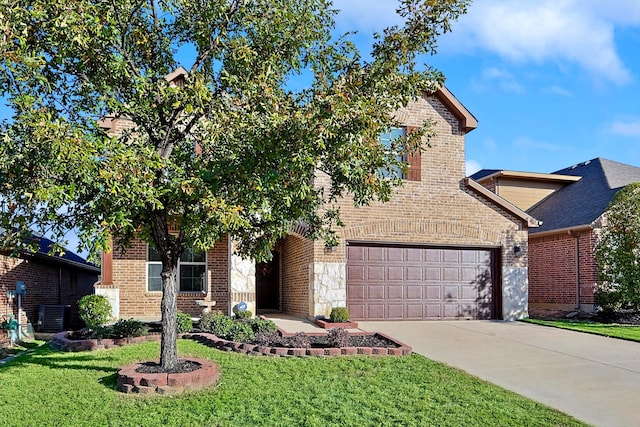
618, 251
231, 147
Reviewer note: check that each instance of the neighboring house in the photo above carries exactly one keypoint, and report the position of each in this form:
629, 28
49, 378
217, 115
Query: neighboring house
570, 203
53, 280
442, 248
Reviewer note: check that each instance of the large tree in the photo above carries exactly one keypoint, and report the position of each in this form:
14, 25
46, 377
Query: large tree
618, 252
269, 97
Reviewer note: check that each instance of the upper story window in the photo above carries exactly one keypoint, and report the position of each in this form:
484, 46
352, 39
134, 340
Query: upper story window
192, 271
413, 160
387, 139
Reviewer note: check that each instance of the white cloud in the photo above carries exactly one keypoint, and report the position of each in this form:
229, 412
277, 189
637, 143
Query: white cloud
562, 31
501, 78
557, 90
471, 167
625, 128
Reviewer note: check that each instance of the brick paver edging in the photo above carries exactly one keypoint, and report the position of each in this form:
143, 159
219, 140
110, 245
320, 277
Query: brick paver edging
61, 342
259, 350
131, 381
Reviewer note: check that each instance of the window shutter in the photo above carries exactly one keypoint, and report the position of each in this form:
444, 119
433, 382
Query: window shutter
414, 161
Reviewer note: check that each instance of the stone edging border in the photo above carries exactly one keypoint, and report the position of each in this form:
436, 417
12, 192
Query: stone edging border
258, 350
130, 381
61, 342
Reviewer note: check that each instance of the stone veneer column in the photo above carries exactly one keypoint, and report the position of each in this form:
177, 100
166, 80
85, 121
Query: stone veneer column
515, 293
243, 282
328, 281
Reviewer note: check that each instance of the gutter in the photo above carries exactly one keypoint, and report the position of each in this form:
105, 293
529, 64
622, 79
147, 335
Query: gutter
563, 230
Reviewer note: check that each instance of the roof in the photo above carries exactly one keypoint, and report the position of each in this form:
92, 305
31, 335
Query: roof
487, 174
469, 122
505, 204
580, 203
68, 258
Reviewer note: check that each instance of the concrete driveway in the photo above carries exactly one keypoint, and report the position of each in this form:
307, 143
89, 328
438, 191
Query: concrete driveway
594, 378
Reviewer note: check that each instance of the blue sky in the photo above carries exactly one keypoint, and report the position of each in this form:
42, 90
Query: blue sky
551, 82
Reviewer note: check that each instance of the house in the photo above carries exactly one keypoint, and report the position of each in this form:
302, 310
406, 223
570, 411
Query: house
444, 247
55, 280
570, 203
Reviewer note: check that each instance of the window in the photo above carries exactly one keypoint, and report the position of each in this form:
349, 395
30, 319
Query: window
387, 139
192, 271
413, 160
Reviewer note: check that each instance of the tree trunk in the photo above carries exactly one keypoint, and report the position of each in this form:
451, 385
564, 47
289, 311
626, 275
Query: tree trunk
169, 307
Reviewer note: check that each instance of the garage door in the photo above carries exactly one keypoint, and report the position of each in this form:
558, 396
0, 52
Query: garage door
413, 283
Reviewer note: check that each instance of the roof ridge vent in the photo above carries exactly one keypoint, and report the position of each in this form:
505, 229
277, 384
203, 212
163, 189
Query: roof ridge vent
574, 166
587, 162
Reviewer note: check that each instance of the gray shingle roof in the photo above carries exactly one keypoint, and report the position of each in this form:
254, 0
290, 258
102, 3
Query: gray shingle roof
582, 202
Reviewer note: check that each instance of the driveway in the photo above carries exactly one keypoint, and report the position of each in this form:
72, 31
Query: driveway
594, 378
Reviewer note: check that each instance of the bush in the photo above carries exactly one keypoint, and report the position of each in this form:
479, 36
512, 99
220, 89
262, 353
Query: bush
300, 340
260, 326
240, 331
128, 328
184, 323
94, 310
339, 315
338, 337
216, 323
241, 315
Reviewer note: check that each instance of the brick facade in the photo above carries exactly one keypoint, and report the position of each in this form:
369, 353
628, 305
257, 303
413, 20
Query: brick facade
437, 209
130, 278
554, 274
47, 283
296, 255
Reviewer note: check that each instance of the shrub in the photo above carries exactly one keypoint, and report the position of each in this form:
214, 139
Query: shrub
94, 310
184, 323
300, 340
240, 331
216, 323
129, 328
262, 326
339, 314
241, 315
267, 338
338, 337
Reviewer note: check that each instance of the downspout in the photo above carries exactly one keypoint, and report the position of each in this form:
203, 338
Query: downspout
578, 296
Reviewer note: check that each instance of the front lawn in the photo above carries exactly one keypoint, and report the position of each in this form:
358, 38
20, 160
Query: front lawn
48, 387
631, 333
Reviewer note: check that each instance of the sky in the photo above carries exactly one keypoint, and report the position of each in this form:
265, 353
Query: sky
552, 82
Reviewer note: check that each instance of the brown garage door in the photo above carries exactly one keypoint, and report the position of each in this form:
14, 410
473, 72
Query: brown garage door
412, 283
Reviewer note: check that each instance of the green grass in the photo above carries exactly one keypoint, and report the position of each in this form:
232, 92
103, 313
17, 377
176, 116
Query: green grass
626, 332
47, 387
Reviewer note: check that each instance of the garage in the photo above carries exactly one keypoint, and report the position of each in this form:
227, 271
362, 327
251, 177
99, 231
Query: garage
394, 282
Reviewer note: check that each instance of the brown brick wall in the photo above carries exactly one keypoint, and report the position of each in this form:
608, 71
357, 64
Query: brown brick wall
296, 254
438, 209
130, 276
46, 284
552, 269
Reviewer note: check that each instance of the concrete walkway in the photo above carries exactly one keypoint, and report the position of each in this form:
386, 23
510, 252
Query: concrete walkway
594, 378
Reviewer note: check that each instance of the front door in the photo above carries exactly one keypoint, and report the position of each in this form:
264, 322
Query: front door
267, 295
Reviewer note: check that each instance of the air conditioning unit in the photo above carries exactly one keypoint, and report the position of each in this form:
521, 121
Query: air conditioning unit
53, 318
